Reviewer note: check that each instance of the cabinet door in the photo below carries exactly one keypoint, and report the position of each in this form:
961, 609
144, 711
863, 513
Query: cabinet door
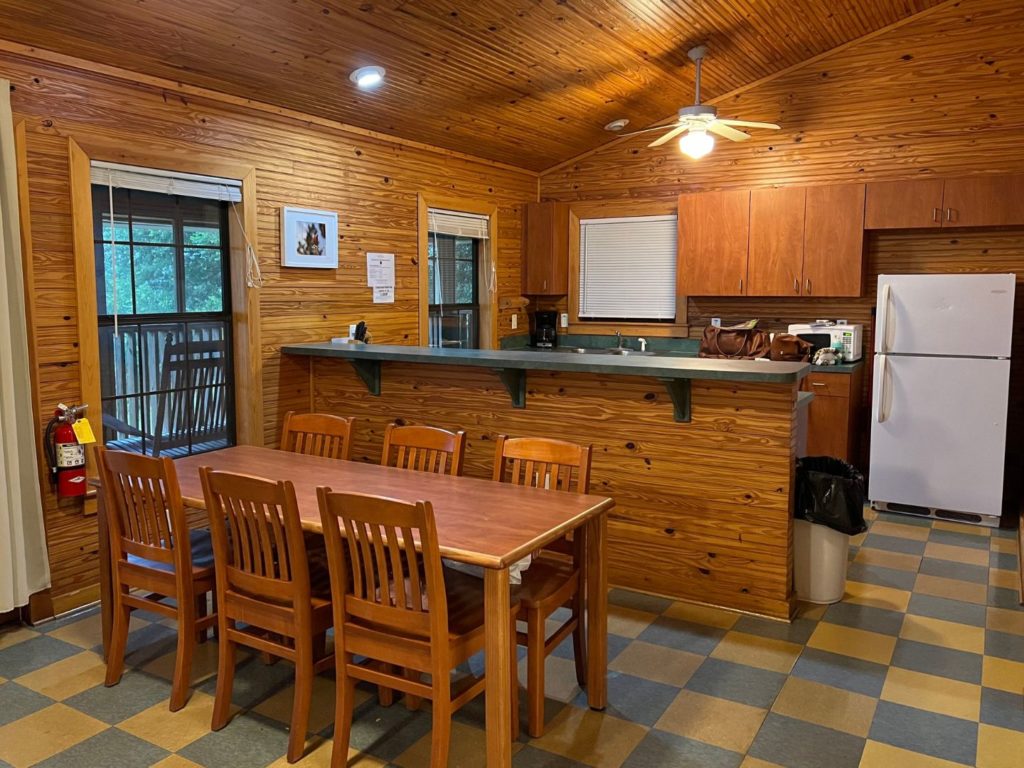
903, 204
776, 251
713, 234
828, 427
983, 201
546, 249
834, 240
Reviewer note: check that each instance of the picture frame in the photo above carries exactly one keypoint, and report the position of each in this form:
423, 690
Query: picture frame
309, 238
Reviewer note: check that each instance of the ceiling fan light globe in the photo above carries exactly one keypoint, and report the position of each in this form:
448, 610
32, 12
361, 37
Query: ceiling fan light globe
696, 144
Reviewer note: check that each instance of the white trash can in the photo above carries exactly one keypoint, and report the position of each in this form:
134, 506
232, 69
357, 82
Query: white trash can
820, 555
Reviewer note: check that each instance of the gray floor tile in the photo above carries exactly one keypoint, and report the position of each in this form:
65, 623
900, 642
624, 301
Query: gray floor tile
682, 635
841, 671
1002, 709
1004, 645
737, 682
865, 617
111, 749
245, 742
387, 732
136, 691
894, 544
947, 610
797, 631
660, 749
255, 681
918, 522
932, 734
1001, 597
635, 699
934, 660
638, 601
1004, 560
35, 653
950, 570
531, 757
17, 701
797, 744
883, 577
959, 539
616, 645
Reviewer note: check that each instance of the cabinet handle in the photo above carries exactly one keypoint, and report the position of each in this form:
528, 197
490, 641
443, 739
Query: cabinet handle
818, 384
808, 286
741, 285
936, 214
949, 214
545, 282
796, 285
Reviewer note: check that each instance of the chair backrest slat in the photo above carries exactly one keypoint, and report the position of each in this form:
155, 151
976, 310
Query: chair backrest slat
317, 434
542, 463
423, 449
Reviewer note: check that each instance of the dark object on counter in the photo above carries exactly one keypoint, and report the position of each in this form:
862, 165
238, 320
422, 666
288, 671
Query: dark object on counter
788, 348
830, 492
544, 333
360, 334
734, 343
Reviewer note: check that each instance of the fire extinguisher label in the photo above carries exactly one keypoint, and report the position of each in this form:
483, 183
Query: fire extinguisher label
70, 455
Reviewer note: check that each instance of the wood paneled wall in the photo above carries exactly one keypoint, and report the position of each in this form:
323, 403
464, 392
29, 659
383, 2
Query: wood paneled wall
372, 183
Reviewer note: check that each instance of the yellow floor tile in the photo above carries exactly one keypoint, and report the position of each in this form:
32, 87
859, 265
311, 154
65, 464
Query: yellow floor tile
88, 632
1006, 546
43, 734
999, 747
657, 663
702, 614
858, 643
318, 755
467, 747
627, 622
887, 528
954, 589
948, 634
753, 762
1004, 620
173, 730
721, 722
757, 651
279, 706
972, 530
878, 755
998, 577
877, 597
66, 677
589, 737
886, 559
858, 540
15, 635
969, 555
932, 693
177, 761
824, 705
1002, 674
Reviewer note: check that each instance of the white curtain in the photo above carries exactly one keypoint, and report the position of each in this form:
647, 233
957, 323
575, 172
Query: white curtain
24, 566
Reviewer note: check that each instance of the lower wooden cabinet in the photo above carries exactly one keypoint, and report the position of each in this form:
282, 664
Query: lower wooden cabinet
834, 426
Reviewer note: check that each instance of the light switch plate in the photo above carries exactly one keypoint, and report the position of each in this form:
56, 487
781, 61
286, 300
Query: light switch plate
716, 321
515, 321
565, 319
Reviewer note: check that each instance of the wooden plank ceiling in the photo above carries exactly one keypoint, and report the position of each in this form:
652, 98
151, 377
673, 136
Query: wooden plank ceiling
524, 82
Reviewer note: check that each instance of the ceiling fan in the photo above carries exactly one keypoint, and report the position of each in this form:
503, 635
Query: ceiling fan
696, 123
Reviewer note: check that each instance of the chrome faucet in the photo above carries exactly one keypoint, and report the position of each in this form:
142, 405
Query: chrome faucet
643, 343
618, 337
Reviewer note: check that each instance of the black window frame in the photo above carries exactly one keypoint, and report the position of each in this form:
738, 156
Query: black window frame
437, 312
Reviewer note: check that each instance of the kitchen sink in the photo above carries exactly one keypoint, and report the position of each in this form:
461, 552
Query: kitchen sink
605, 351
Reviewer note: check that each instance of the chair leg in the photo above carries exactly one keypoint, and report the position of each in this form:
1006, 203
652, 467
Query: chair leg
515, 682
303, 699
225, 679
535, 674
202, 610
385, 696
118, 641
441, 737
412, 703
579, 641
186, 646
344, 701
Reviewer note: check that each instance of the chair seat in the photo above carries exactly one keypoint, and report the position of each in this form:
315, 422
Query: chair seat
202, 554
545, 576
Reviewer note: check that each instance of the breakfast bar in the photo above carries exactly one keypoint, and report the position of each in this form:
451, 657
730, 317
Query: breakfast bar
698, 453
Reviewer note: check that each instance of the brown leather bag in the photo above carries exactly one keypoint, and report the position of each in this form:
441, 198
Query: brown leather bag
734, 343
788, 348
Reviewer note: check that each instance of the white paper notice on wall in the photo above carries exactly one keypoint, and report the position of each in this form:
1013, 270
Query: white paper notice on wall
380, 270
383, 294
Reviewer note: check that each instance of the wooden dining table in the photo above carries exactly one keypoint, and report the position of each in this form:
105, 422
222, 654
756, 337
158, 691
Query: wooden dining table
479, 522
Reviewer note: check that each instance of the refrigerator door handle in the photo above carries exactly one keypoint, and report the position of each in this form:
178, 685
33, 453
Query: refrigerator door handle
883, 389
883, 321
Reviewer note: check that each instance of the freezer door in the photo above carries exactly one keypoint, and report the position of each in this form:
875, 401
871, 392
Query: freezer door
938, 432
956, 315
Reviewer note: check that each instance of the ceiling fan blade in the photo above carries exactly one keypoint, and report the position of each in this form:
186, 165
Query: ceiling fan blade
669, 136
646, 130
727, 132
749, 124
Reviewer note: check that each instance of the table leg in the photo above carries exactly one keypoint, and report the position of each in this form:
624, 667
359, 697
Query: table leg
498, 653
106, 579
596, 580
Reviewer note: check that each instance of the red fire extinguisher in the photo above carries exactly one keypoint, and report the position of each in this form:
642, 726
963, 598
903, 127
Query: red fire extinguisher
64, 453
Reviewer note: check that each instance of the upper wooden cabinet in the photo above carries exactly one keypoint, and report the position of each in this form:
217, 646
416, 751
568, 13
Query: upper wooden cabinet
833, 241
546, 249
713, 235
973, 201
775, 255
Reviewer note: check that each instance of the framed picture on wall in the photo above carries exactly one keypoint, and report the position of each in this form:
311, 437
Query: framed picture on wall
309, 238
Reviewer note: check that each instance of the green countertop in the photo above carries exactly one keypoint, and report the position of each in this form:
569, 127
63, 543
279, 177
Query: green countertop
658, 366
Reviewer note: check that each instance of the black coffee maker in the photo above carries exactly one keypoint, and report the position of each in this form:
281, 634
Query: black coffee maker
544, 334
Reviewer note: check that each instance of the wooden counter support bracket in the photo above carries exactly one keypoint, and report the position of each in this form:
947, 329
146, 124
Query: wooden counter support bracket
679, 391
369, 372
514, 380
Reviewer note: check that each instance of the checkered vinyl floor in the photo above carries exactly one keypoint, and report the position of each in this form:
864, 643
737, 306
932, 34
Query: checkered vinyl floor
922, 664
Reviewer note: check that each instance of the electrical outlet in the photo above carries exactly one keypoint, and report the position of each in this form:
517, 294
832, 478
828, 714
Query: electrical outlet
716, 321
515, 321
565, 319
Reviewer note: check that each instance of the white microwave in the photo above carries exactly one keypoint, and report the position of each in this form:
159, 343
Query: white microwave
849, 336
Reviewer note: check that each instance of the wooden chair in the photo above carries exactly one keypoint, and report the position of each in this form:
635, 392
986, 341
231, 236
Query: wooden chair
263, 581
146, 520
317, 434
404, 620
426, 449
552, 580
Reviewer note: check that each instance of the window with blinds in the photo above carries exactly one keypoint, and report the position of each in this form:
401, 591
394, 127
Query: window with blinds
628, 268
453, 265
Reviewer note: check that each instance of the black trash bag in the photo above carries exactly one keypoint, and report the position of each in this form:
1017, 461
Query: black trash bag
830, 492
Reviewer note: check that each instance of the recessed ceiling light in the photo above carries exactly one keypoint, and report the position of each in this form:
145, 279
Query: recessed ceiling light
367, 78
617, 125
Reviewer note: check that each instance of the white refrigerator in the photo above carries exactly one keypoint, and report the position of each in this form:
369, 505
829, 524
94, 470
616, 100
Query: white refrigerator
941, 385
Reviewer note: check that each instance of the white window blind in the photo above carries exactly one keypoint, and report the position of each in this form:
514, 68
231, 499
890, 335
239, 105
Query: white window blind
628, 268
458, 223
166, 182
